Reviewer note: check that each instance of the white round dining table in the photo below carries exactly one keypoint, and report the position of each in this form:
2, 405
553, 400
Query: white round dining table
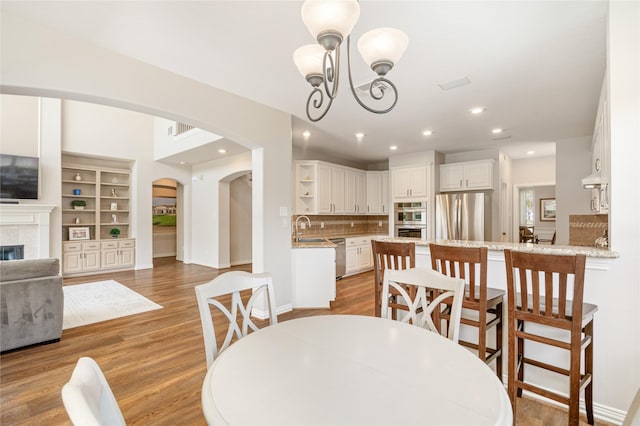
351, 370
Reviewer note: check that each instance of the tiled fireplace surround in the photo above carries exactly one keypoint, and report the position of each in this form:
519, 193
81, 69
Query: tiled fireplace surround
28, 225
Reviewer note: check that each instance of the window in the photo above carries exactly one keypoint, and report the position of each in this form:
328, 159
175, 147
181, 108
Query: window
527, 207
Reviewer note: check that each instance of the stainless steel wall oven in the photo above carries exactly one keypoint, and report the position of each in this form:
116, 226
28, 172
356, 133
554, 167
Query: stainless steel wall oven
410, 219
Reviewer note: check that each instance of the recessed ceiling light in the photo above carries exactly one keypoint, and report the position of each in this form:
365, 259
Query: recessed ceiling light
306, 134
496, 131
393, 147
183, 162
530, 152
222, 151
359, 136
477, 110
427, 133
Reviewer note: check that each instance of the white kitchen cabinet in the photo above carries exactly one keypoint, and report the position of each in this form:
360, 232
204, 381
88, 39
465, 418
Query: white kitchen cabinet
599, 156
80, 257
378, 192
359, 255
325, 188
331, 189
472, 175
355, 191
314, 277
409, 182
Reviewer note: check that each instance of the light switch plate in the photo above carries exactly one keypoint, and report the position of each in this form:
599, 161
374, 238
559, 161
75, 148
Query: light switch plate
283, 211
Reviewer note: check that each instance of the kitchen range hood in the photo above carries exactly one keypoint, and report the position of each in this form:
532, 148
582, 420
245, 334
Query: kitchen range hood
594, 180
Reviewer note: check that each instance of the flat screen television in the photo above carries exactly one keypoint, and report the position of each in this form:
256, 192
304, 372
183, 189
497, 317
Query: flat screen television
19, 177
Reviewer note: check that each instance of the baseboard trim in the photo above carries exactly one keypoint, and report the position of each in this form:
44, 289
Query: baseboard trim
264, 314
600, 411
144, 266
241, 262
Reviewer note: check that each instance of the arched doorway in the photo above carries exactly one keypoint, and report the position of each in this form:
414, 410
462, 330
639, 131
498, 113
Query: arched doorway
165, 218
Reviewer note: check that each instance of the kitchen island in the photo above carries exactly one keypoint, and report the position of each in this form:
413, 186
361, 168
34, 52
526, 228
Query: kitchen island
600, 288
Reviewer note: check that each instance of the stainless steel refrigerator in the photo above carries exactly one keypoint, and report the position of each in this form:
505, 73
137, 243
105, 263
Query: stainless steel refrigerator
463, 216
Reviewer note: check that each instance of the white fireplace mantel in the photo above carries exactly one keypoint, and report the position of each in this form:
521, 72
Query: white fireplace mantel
29, 215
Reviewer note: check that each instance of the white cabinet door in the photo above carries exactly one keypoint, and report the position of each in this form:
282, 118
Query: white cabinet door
72, 262
374, 192
91, 260
478, 176
361, 192
351, 260
365, 258
110, 258
418, 181
465, 176
325, 204
400, 179
384, 193
337, 190
409, 182
127, 257
451, 177
350, 192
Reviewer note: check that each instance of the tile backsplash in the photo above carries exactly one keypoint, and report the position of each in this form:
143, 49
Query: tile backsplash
339, 225
585, 229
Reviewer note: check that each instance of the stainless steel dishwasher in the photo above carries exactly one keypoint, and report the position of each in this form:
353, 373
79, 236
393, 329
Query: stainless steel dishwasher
341, 256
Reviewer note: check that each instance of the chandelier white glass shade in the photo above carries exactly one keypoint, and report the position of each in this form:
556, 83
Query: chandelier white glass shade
330, 22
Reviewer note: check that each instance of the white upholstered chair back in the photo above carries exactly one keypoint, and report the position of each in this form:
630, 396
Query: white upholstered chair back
232, 283
88, 398
420, 308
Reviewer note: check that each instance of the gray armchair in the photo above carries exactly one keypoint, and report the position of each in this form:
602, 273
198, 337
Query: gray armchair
31, 302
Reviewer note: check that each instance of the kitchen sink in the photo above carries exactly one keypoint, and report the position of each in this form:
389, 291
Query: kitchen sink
312, 240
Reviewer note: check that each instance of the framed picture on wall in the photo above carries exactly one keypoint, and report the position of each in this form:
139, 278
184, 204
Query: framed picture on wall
79, 233
547, 209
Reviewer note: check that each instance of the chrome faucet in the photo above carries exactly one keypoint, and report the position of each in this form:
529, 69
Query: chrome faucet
301, 217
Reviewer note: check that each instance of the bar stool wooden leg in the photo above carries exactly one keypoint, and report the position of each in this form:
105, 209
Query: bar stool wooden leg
498, 313
588, 363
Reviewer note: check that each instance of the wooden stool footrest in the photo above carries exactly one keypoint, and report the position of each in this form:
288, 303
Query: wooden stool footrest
546, 366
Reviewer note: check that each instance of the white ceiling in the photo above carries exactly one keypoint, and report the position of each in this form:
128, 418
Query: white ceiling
536, 66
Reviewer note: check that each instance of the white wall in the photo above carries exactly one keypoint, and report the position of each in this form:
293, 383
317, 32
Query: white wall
211, 200
240, 220
166, 144
534, 171
620, 376
19, 125
573, 162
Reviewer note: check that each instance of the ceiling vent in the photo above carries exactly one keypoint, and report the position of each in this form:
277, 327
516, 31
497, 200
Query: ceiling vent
453, 84
499, 138
363, 88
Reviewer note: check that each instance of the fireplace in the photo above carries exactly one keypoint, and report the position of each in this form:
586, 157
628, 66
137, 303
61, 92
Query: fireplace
11, 252
25, 225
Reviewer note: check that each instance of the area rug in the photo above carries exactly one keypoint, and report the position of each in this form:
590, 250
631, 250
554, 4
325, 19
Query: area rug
101, 301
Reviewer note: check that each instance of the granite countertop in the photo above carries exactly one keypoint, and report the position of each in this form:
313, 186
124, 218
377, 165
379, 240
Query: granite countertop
315, 244
326, 242
528, 247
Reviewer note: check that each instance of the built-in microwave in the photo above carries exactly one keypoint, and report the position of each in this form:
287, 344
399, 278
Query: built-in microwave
410, 219
410, 213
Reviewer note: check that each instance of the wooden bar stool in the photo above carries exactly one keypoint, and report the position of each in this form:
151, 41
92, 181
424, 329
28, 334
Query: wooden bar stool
529, 278
387, 255
470, 264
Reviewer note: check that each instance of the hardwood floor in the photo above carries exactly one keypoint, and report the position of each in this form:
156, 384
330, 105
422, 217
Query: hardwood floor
155, 361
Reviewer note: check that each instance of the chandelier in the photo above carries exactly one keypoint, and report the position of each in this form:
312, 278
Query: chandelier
330, 22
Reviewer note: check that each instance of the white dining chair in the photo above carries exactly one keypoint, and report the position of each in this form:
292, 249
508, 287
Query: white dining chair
232, 283
88, 398
420, 308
